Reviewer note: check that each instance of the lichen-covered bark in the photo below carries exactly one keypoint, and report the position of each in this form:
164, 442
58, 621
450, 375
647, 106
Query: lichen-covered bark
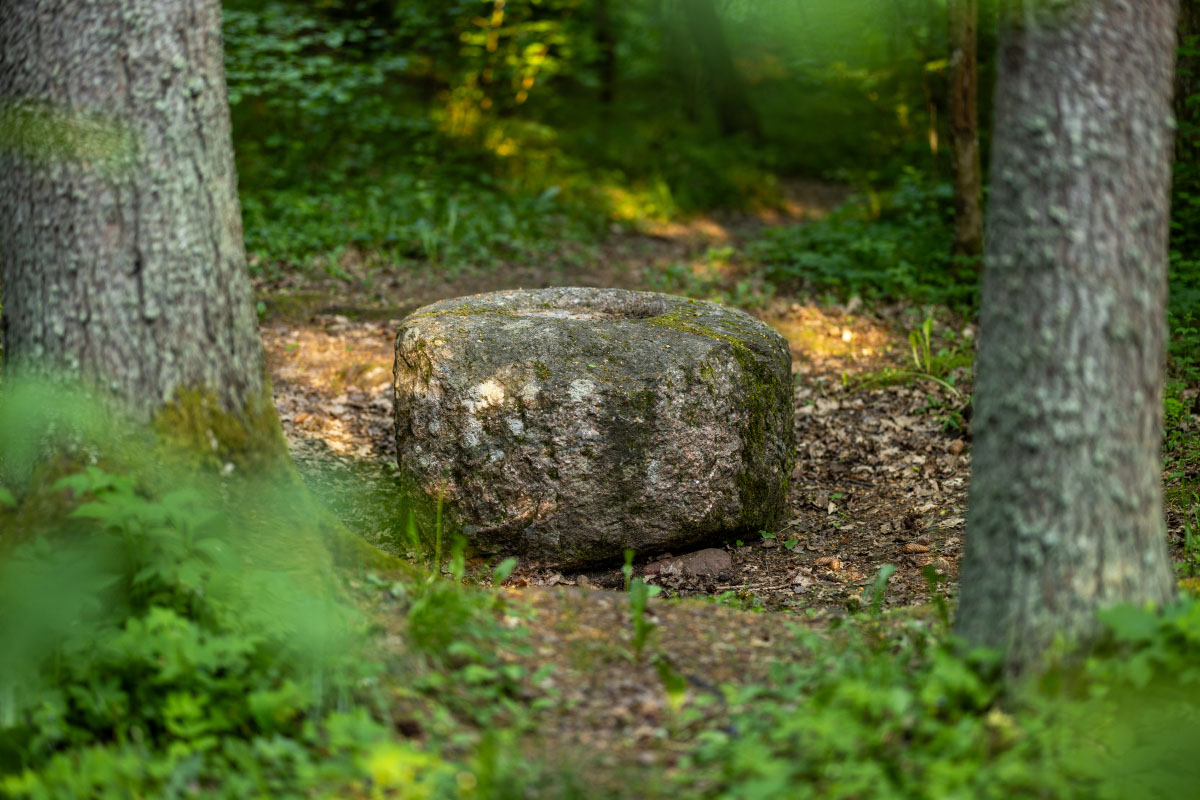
120, 233
1066, 501
964, 127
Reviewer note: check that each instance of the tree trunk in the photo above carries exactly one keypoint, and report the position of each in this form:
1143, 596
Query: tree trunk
1187, 77
677, 58
120, 231
121, 250
727, 90
1066, 512
606, 43
964, 127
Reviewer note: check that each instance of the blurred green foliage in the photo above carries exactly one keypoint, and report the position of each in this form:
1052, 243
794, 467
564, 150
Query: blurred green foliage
155, 645
893, 708
144, 654
881, 245
471, 132
151, 650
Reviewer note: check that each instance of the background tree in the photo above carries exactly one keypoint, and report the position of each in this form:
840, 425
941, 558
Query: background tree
1066, 510
720, 80
606, 44
964, 127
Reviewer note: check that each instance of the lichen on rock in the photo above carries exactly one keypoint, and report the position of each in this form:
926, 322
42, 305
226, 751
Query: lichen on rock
565, 425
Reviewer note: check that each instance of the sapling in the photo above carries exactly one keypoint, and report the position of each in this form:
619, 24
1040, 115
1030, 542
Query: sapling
640, 593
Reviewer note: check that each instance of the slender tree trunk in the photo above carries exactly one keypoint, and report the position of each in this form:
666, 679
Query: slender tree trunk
120, 232
606, 42
1066, 511
1187, 78
964, 127
726, 89
676, 58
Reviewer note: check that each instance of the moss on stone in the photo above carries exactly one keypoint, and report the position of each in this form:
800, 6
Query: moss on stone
764, 395
466, 310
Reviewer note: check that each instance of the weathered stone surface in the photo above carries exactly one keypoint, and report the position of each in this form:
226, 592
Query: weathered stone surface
565, 425
709, 561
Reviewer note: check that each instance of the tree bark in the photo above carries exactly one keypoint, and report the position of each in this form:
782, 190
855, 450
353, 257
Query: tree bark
120, 231
964, 127
121, 252
1066, 511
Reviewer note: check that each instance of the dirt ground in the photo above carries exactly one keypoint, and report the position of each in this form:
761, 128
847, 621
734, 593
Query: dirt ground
877, 481
879, 478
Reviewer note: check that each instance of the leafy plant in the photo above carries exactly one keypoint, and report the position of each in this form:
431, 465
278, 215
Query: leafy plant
937, 367
888, 706
1189, 567
879, 587
894, 247
143, 651
639, 596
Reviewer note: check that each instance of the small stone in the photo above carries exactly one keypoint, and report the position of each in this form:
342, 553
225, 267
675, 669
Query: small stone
709, 561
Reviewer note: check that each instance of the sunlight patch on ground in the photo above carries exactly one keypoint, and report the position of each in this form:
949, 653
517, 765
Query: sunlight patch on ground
333, 382
804, 200
819, 336
701, 228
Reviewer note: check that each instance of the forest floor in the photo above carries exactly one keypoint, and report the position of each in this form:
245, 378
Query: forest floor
881, 478
881, 471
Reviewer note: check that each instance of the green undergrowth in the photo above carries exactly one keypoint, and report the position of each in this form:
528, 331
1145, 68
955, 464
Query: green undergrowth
352, 134
892, 245
400, 218
940, 358
146, 655
151, 651
891, 707
157, 645
1181, 405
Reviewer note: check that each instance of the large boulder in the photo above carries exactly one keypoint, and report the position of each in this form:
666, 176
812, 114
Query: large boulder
565, 425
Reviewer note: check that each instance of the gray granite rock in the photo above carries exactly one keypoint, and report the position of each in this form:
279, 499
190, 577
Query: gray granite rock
565, 425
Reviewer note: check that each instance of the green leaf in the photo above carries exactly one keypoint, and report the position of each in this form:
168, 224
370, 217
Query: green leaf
503, 570
879, 589
1130, 624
